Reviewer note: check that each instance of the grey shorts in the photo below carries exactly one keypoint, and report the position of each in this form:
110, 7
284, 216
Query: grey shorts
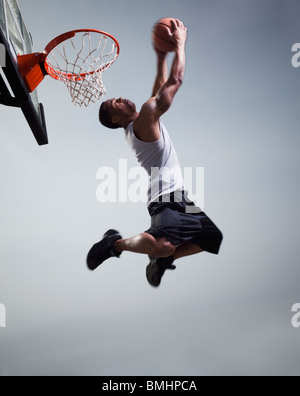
182, 222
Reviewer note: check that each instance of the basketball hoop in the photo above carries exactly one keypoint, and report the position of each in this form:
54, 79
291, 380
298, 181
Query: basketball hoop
77, 58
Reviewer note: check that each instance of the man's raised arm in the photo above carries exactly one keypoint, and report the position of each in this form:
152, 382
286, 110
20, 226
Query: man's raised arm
166, 94
162, 71
146, 126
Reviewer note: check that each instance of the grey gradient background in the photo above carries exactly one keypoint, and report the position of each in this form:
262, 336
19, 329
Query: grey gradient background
237, 115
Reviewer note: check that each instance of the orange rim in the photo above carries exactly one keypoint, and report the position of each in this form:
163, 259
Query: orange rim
52, 72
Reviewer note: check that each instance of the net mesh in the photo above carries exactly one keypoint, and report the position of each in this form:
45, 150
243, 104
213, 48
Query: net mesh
79, 62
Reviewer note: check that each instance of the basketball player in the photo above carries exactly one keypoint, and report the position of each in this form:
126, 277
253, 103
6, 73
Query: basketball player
178, 227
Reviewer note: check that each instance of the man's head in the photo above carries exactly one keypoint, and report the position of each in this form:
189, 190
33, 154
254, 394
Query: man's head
117, 113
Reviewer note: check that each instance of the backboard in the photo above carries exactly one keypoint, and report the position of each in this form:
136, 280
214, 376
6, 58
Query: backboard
15, 40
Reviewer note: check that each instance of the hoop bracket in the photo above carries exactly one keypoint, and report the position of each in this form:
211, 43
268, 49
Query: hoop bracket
32, 69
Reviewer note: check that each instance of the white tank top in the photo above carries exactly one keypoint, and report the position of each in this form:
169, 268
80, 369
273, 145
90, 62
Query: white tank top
160, 161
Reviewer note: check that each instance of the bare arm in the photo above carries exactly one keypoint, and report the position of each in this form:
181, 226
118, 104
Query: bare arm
146, 126
162, 72
166, 94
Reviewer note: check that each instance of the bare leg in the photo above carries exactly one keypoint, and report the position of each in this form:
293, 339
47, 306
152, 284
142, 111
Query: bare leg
145, 244
187, 249
156, 269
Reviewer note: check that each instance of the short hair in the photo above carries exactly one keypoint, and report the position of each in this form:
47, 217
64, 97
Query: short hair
105, 117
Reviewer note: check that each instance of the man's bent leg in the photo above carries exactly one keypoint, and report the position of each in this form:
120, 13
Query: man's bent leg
187, 249
145, 244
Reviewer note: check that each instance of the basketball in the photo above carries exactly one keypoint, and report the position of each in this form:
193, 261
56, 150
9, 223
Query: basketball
160, 35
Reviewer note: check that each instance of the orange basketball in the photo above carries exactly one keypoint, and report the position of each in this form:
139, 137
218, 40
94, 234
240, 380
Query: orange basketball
160, 35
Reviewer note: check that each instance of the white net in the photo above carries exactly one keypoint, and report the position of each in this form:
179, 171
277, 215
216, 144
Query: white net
79, 62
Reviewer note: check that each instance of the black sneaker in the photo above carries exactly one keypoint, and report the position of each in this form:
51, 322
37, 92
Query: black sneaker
103, 250
156, 269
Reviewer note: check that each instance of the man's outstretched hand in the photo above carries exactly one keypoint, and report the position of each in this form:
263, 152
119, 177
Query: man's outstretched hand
179, 33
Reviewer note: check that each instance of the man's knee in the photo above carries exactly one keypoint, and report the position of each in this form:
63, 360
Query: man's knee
162, 248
